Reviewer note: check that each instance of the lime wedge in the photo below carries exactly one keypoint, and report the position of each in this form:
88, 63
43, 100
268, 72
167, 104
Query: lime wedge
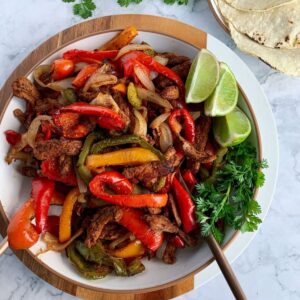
231, 129
225, 97
202, 78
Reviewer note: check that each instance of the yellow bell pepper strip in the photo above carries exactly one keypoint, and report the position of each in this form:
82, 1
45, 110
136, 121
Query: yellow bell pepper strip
130, 156
66, 215
133, 249
123, 188
123, 140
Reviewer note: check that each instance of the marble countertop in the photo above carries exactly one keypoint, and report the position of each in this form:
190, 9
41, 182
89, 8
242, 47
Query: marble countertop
270, 266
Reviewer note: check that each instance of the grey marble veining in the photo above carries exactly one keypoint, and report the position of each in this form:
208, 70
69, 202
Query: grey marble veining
270, 267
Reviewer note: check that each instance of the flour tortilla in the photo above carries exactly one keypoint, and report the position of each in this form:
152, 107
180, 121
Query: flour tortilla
284, 60
276, 28
257, 4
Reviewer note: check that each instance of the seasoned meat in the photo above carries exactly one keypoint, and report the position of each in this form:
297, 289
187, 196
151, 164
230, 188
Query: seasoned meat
146, 172
65, 164
87, 96
29, 171
20, 115
112, 231
154, 210
25, 89
170, 92
182, 69
194, 154
46, 105
172, 156
169, 255
191, 241
174, 210
54, 148
202, 129
162, 82
99, 221
160, 223
177, 60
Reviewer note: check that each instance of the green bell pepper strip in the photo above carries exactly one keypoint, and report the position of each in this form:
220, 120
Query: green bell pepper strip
83, 171
122, 140
87, 270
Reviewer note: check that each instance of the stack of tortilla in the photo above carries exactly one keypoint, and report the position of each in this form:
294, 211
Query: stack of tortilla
268, 29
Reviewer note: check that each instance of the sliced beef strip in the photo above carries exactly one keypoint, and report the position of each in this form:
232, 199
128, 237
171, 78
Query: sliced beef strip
25, 89
202, 129
112, 231
146, 172
98, 222
46, 105
170, 92
169, 255
53, 148
177, 60
172, 156
29, 171
174, 210
160, 223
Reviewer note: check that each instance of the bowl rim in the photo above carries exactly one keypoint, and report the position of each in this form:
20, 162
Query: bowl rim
156, 28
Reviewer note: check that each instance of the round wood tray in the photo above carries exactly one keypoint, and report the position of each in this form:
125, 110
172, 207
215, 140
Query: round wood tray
181, 31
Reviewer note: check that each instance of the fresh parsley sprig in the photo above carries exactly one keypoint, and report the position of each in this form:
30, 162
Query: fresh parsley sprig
85, 8
230, 196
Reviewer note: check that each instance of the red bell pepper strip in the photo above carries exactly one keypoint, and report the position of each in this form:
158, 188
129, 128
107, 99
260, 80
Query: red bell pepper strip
12, 137
123, 187
107, 118
189, 179
47, 129
132, 220
20, 232
53, 225
84, 75
71, 126
50, 169
188, 124
128, 59
42, 192
89, 56
62, 68
177, 241
186, 206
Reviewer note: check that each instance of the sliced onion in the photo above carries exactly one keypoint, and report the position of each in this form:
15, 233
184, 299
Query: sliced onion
161, 59
61, 84
79, 66
159, 120
120, 240
38, 72
132, 47
81, 185
140, 127
195, 115
106, 100
143, 75
55, 85
100, 78
166, 138
53, 244
34, 128
144, 111
153, 75
153, 97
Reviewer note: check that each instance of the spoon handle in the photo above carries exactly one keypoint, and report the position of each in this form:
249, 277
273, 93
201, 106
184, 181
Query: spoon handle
226, 268
3, 245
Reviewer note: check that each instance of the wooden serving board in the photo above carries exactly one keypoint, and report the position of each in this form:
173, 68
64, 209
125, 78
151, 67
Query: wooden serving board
178, 30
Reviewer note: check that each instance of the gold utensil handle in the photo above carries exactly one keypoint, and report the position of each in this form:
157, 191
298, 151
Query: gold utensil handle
226, 268
3, 245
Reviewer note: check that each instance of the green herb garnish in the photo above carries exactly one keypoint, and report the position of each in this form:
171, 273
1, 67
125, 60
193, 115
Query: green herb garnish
85, 8
230, 196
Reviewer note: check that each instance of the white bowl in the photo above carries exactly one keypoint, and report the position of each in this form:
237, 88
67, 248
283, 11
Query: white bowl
16, 188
